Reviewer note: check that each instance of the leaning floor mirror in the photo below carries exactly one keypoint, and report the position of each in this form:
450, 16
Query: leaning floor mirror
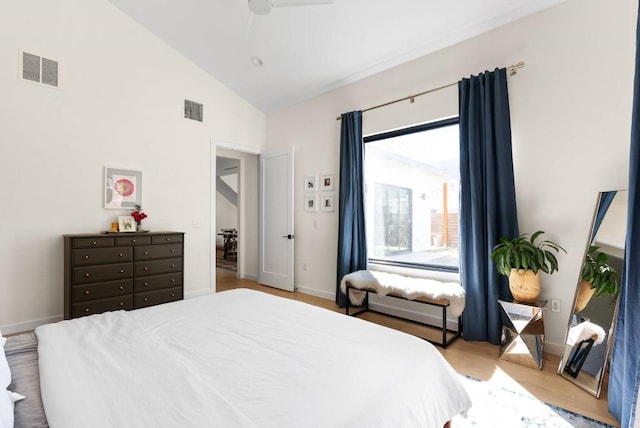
589, 337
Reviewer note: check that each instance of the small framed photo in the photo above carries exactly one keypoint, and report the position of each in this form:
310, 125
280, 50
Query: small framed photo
311, 183
327, 202
122, 188
326, 182
310, 203
126, 223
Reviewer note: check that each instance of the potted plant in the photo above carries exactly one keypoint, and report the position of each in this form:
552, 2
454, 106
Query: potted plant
596, 277
522, 259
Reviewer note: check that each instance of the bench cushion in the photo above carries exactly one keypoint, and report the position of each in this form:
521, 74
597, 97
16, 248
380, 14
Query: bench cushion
411, 288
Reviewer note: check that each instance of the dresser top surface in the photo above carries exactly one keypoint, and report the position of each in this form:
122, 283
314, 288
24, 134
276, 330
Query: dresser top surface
112, 234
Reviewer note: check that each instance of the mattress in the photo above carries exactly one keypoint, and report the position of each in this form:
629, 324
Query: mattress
241, 358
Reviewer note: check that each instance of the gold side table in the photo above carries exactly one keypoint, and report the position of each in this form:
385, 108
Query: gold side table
522, 332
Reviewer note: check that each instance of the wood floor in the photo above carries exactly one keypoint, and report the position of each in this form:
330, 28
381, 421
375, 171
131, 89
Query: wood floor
477, 359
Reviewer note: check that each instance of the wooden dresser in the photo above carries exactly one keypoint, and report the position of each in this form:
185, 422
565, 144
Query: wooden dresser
107, 272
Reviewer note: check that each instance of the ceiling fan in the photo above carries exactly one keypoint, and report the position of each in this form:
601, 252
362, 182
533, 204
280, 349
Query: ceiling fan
263, 7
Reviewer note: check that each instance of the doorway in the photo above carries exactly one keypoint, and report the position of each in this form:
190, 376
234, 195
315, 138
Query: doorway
234, 214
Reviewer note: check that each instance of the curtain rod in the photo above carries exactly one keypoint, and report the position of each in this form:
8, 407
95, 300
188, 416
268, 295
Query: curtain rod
512, 69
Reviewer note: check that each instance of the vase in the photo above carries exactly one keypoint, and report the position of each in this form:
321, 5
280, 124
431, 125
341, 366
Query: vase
138, 226
585, 293
524, 285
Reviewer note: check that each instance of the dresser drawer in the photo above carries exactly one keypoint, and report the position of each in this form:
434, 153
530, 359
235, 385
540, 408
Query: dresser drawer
88, 274
92, 242
142, 300
102, 305
150, 252
156, 282
166, 239
154, 267
133, 240
98, 256
99, 290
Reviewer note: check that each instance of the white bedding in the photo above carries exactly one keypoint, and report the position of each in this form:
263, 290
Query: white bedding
241, 358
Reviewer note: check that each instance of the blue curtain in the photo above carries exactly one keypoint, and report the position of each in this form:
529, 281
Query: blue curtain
603, 205
624, 376
487, 199
352, 242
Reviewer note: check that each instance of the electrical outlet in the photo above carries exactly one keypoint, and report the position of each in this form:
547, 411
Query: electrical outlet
555, 305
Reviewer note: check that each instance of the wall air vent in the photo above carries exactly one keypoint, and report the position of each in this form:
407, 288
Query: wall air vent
193, 110
39, 69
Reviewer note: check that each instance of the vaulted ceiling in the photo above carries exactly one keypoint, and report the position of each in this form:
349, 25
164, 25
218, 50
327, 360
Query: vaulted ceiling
311, 49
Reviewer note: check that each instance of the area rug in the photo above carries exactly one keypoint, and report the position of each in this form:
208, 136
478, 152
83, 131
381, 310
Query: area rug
495, 406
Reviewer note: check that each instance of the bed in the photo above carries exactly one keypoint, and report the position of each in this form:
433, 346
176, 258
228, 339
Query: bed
241, 358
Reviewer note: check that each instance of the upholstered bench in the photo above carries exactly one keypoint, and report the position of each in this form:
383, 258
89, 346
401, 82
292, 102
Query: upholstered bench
449, 296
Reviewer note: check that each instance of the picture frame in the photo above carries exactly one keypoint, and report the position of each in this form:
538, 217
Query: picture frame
122, 188
126, 223
311, 183
326, 182
327, 202
310, 203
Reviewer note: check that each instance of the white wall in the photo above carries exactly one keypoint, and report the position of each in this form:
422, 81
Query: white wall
120, 103
570, 111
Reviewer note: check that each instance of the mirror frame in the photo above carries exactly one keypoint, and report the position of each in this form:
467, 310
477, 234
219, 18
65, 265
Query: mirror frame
611, 331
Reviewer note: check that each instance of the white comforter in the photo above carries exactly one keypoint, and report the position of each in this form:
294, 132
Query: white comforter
241, 358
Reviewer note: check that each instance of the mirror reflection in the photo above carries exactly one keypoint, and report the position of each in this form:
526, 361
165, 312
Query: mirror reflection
588, 339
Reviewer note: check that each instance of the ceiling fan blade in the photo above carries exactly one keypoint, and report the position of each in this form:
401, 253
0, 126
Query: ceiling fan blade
247, 31
287, 3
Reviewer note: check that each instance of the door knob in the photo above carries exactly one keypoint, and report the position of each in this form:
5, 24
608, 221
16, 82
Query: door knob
288, 236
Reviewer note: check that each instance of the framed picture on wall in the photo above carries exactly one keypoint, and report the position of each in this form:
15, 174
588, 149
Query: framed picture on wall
311, 203
326, 182
327, 201
122, 188
311, 183
126, 223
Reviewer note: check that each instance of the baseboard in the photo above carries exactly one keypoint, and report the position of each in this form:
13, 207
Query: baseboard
553, 348
28, 325
318, 293
248, 276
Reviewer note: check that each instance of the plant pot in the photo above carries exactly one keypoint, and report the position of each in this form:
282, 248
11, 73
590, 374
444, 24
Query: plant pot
585, 293
524, 285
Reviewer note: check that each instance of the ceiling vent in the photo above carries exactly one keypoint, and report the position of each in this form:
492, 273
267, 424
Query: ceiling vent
193, 110
38, 69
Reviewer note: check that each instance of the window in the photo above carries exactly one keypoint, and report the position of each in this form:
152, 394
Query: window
412, 184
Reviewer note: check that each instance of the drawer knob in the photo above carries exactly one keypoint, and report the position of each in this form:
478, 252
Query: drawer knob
173, 280
120, 254
121, 304
173, 266
121, 287
87, 275
173, 294
86, 292
167, 239
173, 251
146, 300
146, 252
146, 284
86, 257
146, 268
94, 243
121, 270
86, 310
133, 240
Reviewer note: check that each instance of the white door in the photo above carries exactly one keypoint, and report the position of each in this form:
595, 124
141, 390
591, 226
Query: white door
276, 220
